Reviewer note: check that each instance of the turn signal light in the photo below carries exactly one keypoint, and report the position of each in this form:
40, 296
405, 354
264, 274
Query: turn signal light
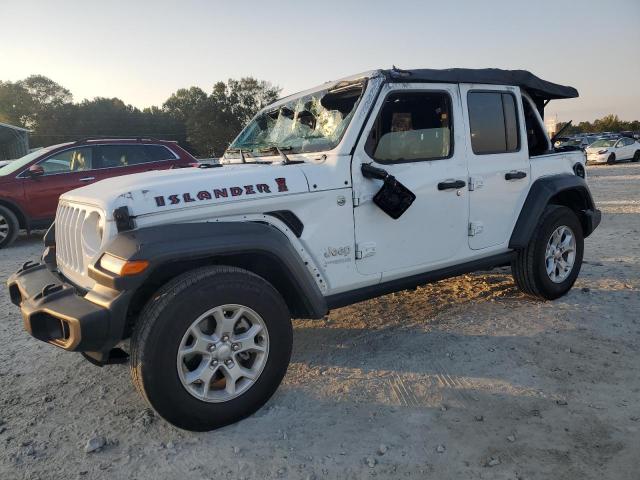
123, 267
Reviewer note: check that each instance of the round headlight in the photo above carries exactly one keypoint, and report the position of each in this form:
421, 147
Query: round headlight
92, 232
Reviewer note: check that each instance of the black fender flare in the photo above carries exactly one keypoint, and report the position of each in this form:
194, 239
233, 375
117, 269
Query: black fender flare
165, 244
542, 193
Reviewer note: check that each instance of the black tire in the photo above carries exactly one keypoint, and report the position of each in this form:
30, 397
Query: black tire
9, 227
636, 156
166, 318
529, 268
612, 159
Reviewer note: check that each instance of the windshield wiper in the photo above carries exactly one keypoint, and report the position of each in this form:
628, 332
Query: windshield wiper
241, 152
279, 150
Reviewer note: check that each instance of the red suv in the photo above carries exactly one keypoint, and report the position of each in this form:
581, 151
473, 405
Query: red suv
31, 185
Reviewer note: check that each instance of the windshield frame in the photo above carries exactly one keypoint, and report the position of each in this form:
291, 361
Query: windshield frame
254, 154
19, 164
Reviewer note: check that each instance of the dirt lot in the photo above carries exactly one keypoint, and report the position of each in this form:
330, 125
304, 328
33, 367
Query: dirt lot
465, 378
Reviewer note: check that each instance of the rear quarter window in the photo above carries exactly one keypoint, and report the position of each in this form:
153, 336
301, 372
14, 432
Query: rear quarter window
157, 153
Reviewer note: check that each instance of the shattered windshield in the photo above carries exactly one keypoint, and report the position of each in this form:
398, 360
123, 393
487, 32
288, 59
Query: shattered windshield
312, 123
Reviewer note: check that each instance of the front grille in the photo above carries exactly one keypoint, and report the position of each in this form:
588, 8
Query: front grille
69, 220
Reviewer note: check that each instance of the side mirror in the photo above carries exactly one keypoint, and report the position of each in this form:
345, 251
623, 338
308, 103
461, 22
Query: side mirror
35, 171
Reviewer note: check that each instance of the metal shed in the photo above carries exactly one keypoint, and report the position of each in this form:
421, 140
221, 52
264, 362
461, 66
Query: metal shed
14, 141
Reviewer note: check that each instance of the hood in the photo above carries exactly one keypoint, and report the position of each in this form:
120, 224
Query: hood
596, 149
162, 190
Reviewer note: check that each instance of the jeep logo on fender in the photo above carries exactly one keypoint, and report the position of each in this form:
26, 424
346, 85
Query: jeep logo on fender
225, 192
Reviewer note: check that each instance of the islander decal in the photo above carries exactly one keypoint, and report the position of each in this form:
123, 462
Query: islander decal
161, 201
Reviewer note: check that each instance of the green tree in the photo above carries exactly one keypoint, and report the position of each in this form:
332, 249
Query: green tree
212, 121
16, 104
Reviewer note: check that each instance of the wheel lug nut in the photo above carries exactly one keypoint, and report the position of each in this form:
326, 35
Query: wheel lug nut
229, 363
214, 363
235, 347
212, 347
225, 338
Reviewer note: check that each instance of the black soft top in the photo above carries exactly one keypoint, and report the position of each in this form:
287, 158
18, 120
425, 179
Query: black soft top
536, 87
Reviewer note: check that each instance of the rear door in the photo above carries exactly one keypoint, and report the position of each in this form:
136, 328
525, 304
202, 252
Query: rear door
124, 159
63, 171
629, 147
498, 161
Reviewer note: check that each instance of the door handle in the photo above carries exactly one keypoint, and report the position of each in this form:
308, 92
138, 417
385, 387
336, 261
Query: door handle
514, 175
87, 179
451, 184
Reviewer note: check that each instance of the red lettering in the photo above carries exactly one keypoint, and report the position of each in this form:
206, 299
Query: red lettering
235, 191
187, 197
221, 192
248, 189
160, 201
174, 199
282, 184
203, 195
263, 188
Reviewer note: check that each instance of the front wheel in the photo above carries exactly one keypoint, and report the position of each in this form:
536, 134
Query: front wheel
636, 156
9, 227
548, 267
211, 347
612, 159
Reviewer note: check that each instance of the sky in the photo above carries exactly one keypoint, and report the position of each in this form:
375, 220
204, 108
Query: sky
142, 51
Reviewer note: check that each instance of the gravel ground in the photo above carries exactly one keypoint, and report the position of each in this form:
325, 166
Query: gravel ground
465, 378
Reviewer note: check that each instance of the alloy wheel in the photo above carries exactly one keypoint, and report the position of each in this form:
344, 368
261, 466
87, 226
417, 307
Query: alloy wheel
4, 228
223, 353
560, 254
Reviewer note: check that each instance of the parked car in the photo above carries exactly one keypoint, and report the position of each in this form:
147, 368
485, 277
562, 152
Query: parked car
30, 186
364, 186
612, 150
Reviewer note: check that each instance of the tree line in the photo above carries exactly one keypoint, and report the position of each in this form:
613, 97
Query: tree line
608, 123
203, 122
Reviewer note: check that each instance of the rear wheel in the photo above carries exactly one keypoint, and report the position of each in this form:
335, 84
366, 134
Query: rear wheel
548, 267
9, 227
211, 347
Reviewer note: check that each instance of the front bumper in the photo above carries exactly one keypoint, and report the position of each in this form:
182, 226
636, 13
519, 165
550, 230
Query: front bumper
56, 312
594, 158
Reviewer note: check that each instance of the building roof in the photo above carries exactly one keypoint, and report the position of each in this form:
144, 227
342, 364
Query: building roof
535, 86
9, 133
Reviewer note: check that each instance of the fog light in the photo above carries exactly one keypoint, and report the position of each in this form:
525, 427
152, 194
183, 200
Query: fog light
122, 267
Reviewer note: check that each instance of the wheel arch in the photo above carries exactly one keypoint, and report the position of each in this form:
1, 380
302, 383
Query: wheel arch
23, 220
570, 191
175, 249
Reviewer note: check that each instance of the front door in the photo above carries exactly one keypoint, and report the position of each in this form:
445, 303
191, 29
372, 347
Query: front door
498, 162
63, 171
415, 134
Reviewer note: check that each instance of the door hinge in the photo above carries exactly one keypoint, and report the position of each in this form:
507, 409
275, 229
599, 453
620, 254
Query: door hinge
356, 199
364, 250
475, 228
475, 183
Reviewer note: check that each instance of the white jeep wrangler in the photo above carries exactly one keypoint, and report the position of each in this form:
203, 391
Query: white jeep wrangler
372, 184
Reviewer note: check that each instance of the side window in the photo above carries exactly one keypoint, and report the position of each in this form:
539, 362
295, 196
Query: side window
122, 155
74, 160
493, 122
157, 153
412, 126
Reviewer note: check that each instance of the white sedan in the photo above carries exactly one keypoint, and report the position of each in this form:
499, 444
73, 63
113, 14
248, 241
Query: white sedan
612, 150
